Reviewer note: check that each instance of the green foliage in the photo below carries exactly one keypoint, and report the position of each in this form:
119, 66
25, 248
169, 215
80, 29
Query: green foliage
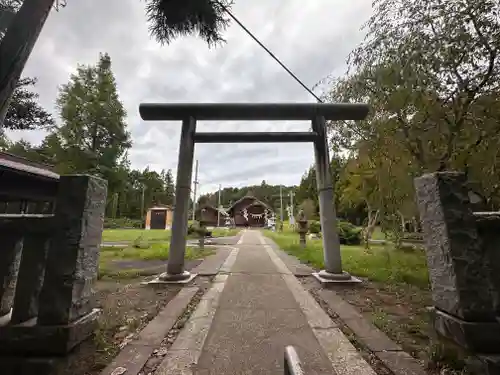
433, 88
194, 229
348, 233
93, 139
169, 19
129, 235
122, 223
380, 264
308, 206
93, 133
140, 243
24, 112
314, 227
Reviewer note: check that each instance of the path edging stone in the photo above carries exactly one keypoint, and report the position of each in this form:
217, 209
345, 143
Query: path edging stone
386, 350
187, 347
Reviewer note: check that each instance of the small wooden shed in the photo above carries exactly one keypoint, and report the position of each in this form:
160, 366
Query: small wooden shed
159, 217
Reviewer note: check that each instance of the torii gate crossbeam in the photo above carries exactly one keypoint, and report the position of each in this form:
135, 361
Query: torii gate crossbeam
317, 113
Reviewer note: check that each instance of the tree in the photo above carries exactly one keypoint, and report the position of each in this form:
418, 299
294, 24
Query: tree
430, 72
17, 44
24, 113
169, 187
309, 208
308, 188
93, 135
168, 19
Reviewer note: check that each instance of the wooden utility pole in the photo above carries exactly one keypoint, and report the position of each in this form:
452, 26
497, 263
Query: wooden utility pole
292, 216
218, 208
195, 183
17, 44
281, 207
142, 201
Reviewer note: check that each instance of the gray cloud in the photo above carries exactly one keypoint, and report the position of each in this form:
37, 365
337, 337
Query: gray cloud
313, 38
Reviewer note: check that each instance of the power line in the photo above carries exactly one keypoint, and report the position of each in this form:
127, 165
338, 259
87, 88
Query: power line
270, 53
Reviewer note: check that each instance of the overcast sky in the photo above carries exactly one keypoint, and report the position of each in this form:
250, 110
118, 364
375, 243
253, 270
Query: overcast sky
313, 38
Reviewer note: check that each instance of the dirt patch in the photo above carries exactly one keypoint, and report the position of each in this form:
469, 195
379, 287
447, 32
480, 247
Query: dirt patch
398, 310
127, 307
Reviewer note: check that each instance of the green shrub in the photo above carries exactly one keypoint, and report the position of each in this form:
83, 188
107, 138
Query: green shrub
140, 243
314, 227
195, 229
348, 233
121, 223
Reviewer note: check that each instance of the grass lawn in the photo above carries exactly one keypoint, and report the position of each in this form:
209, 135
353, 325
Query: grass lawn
377, 234
155, 251
380, 264
129, 235
125, 235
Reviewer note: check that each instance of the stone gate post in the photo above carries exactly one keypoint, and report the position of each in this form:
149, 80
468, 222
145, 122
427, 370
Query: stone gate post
462, 267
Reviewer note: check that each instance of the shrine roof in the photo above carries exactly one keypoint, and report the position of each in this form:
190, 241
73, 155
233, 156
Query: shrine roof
256, 202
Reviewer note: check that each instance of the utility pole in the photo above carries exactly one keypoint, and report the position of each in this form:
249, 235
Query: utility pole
292, 216
281, 207
142, 201
194, 190
218, 208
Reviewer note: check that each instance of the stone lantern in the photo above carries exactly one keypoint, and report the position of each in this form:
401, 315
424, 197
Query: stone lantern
302, 227
202, 229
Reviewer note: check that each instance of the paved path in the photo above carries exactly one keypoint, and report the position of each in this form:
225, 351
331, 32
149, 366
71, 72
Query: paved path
248, 317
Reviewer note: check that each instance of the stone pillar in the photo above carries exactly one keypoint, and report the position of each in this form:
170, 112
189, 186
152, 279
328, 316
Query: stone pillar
73, 256
331, 245
10, 259
175, 266
460, 268
31, 276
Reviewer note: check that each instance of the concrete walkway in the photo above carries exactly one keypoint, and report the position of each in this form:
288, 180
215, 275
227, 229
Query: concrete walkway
243, 323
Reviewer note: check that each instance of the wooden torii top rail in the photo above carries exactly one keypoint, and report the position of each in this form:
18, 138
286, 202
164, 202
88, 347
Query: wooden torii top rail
252, 111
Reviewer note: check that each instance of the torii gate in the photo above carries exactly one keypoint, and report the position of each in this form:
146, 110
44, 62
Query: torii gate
317, 113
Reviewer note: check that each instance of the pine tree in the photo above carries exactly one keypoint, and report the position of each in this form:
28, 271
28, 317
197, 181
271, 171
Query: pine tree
93, 132
169, 188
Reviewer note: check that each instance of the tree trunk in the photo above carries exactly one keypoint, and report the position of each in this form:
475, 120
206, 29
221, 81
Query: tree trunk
370, 227
17, 45
403, 222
